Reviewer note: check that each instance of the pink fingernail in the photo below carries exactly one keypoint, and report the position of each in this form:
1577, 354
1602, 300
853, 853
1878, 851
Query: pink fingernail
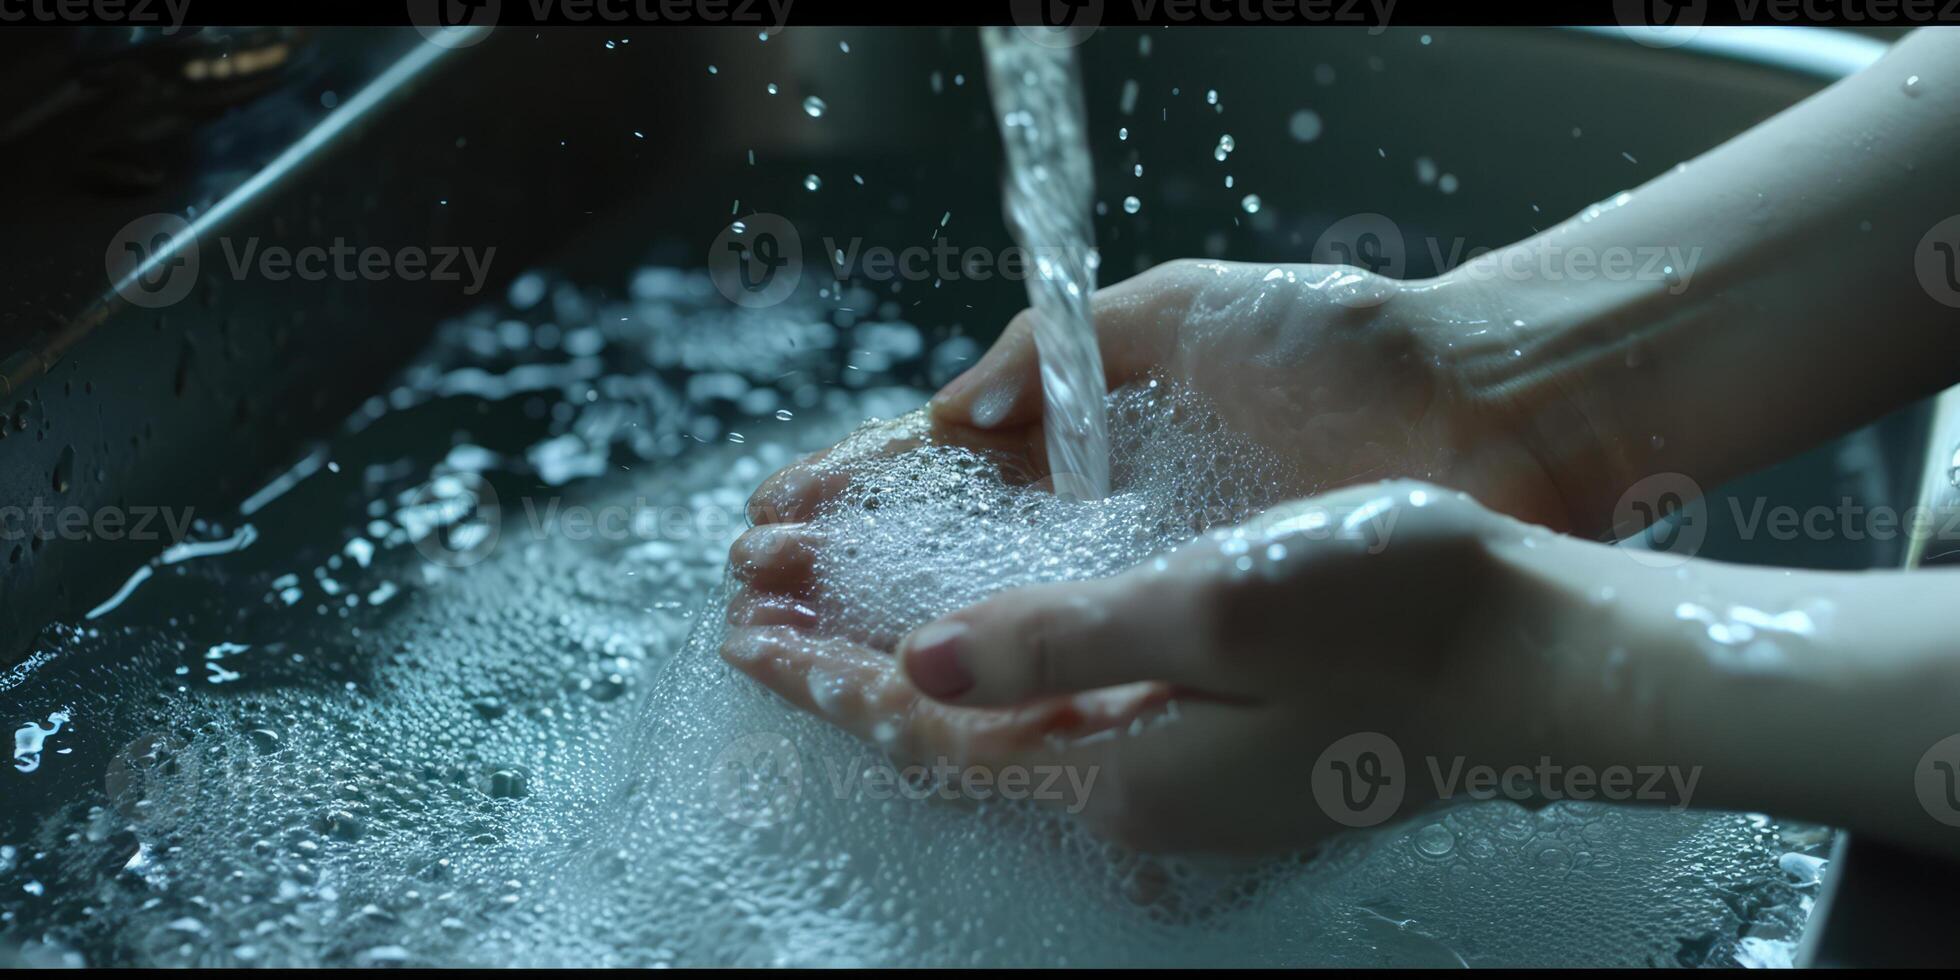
932, 659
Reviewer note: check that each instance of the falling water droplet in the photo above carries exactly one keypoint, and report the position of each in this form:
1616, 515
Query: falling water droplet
814, 107
1132, 205
812, 182
1250, 204
1912, 87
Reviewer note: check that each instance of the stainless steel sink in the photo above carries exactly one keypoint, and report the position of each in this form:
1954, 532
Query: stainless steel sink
565, 152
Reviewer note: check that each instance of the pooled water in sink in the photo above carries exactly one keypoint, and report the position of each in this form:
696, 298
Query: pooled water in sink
350, 737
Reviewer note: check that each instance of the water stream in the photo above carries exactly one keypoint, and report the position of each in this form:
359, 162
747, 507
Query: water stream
1037, 97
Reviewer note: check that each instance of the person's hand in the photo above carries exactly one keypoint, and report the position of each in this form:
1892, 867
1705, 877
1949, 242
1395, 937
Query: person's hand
1191, 697
1345, 375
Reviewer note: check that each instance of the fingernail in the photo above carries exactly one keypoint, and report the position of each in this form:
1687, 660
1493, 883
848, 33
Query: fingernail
932, 659
992, 405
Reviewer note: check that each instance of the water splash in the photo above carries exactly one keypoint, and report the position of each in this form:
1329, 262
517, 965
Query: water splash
1037, 95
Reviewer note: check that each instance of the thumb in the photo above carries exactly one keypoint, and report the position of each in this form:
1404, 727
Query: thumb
1064, 638
1134, 320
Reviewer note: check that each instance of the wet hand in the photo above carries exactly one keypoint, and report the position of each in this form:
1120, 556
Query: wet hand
1345, 375
1191, 695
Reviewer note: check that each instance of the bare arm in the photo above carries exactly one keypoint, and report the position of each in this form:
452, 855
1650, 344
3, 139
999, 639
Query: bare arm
1810, 695
1792, 311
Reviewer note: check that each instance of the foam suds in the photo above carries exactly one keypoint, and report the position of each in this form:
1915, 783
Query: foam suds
540, 759
935, 529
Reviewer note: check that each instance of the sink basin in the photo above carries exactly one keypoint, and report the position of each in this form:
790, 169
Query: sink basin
594, 364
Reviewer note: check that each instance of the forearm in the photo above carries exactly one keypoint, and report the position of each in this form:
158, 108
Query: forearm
1767, 299
1807, 695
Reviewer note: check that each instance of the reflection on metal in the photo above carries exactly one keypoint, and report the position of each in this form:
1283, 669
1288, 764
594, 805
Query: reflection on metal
24, 366
1819, 51
1939, 495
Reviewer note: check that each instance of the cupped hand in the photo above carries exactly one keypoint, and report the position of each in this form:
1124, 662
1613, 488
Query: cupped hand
1192, 696
1347, 376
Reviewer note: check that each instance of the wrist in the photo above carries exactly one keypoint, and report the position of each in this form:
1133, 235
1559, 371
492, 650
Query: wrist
1551, 387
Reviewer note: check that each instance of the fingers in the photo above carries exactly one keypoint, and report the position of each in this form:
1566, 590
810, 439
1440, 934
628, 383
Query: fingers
1064, 638
776, 557
862, 691
849, 685
1135, 323
753, 608
793, 492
